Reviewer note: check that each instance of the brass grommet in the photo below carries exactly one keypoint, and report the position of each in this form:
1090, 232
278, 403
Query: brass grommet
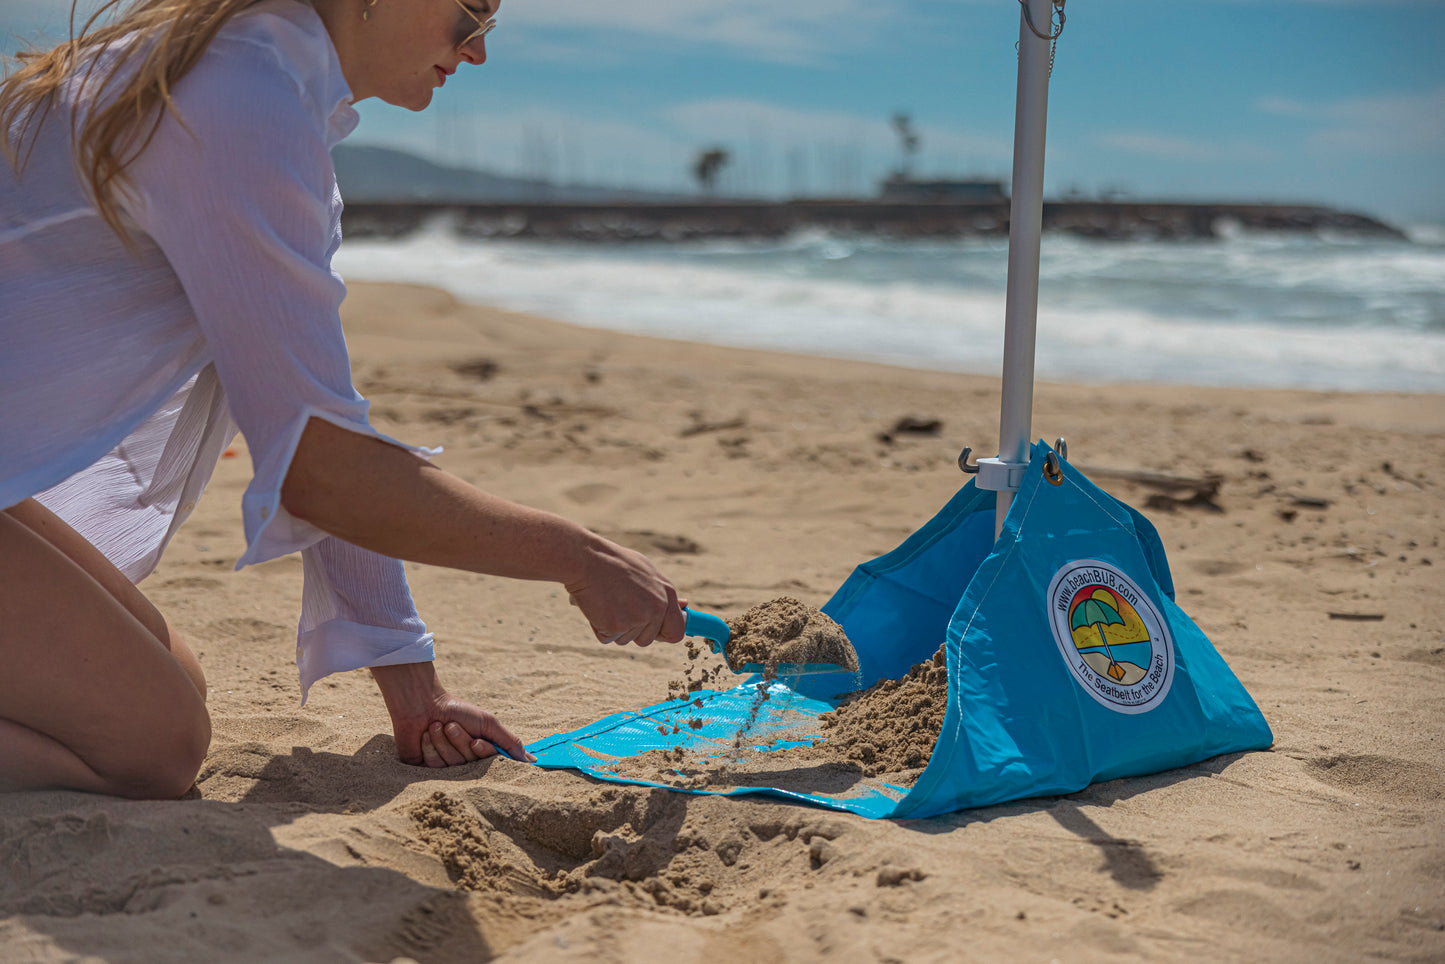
1052, 470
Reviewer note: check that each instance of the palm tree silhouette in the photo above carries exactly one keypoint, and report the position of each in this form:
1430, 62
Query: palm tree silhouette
708, 165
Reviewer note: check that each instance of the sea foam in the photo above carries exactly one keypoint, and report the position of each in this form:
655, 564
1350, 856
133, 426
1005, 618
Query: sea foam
1247, 310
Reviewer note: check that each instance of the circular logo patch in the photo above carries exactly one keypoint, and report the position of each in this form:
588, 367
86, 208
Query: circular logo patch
1111, 637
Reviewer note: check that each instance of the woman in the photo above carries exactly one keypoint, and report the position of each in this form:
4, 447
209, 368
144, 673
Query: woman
167, 222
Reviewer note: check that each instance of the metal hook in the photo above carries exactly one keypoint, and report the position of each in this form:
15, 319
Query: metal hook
963, 463
1061, 445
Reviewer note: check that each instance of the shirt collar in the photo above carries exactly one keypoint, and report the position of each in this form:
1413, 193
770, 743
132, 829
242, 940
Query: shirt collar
295, 31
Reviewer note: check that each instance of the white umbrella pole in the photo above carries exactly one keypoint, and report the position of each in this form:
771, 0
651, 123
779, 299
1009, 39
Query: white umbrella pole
1026, 212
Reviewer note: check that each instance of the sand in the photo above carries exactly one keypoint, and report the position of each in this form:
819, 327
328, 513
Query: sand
877, 738
1315, 566
786, 632
891, 727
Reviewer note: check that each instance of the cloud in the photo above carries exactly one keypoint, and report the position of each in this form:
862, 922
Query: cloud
1170, 148
783, 150
740, 121
534, 141
1401, 123
798, 31
775, 150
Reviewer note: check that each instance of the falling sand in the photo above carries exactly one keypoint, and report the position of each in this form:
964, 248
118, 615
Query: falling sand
885, 733
778, 635
890, 728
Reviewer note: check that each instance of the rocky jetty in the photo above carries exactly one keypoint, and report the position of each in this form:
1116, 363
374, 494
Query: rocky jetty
619, 222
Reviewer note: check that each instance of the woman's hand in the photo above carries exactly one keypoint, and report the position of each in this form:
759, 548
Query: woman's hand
461, 733
434, 728
624, 597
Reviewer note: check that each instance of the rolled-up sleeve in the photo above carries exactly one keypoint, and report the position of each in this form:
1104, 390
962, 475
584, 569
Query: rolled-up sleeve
356, 611
239, 193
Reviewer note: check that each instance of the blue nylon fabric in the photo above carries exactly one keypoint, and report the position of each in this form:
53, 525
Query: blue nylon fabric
593, 748
1019, 722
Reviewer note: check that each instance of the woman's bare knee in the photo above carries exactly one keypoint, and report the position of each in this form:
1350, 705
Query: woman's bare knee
85, 673
166, 768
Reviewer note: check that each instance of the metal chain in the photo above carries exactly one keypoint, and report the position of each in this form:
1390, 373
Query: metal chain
1054, 33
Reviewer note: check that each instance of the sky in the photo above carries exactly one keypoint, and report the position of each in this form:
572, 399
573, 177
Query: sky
1338, 102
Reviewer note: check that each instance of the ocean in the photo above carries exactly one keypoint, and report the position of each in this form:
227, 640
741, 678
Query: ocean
1332, 313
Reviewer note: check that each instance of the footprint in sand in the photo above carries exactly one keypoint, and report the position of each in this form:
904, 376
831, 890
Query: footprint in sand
192, 582
1382, 776
1218, 567
1434, 656
1240, 910
247, 628
591, 493
648, 542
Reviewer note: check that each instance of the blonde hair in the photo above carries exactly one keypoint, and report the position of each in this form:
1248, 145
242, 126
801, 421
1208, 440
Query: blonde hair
168, 36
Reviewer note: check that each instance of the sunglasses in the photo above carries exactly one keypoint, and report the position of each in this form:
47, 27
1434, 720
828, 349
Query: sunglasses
484, 27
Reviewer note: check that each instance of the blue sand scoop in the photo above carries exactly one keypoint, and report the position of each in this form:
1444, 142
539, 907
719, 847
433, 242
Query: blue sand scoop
715, 630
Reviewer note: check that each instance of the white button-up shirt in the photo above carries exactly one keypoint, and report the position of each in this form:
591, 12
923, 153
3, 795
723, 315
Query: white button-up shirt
125, 373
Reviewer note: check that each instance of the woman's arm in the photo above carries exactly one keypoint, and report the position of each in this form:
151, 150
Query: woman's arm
385, 499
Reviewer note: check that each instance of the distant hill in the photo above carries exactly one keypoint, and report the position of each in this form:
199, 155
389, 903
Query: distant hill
381, 174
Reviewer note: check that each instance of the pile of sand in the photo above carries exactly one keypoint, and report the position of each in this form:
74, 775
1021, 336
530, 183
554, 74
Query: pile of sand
785, 631
891, 727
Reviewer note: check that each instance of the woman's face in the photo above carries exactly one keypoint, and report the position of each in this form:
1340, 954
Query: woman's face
405, 49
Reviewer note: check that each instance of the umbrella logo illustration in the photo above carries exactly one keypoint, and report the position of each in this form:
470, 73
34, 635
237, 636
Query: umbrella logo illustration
1111, 636
1098, 609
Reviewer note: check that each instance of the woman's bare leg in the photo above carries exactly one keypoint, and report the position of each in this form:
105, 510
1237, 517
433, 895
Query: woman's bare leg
33, 761
91, 696
55, 531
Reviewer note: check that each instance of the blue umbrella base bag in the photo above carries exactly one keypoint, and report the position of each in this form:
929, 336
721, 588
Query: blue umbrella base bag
1068, 662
